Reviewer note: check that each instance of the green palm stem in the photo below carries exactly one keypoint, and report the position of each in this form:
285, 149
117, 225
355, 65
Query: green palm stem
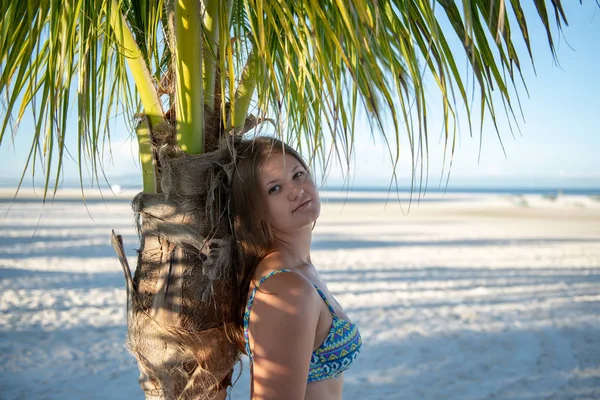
142, 131
148, 94
189, 100
244, 93
211, 30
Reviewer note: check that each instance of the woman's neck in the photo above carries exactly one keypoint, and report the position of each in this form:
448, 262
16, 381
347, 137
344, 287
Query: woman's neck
295, 244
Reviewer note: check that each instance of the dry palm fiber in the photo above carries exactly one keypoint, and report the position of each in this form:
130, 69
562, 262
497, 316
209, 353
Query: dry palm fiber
184, 276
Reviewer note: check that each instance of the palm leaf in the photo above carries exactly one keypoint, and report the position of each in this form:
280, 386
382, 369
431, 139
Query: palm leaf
310, 65
313, 55
55, 52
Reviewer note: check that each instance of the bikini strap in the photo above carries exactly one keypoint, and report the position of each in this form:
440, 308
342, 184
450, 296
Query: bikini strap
251, 300
325, 300
249, 308
270, 274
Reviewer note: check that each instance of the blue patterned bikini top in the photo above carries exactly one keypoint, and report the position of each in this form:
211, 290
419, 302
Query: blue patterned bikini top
336, 353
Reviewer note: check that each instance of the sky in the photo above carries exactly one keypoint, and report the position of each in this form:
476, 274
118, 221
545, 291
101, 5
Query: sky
559, 140
557, 146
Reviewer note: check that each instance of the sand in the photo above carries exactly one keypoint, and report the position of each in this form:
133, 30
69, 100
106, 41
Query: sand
467, 296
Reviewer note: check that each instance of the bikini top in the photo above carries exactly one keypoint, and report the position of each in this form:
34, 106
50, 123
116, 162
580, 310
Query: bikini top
336, 353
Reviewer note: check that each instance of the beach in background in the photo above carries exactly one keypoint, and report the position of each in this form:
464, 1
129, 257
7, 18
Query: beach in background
489, 294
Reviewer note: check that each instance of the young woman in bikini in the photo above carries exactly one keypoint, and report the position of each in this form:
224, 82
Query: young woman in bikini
298, 338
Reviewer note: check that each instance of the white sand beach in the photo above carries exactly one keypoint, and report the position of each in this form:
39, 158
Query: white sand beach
467, 296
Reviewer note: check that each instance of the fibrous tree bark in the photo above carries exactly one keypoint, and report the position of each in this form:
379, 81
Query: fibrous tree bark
184, 279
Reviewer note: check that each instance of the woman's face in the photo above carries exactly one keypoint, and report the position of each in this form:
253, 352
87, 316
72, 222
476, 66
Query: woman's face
291, 195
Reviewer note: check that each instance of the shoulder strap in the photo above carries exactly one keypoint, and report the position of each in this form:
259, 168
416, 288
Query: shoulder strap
249, 307
251, 300
325, 300
270, 274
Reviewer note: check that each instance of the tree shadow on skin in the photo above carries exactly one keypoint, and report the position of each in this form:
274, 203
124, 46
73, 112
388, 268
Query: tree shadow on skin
267, 302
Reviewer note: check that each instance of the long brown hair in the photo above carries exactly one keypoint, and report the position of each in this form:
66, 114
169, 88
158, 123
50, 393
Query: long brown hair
251, 225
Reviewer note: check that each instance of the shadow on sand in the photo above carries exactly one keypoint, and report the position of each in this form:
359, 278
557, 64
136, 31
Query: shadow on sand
554, 358
341, 242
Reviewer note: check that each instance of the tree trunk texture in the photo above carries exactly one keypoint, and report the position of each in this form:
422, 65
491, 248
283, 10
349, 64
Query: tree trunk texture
176, 320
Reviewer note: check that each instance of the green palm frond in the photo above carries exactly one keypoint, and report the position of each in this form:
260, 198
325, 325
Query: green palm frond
311, 66
319, 61
144, 19
54, 53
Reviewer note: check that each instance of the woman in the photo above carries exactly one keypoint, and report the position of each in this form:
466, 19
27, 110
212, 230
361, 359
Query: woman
298, 338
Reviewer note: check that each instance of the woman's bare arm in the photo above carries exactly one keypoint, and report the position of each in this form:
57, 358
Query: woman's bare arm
282, 328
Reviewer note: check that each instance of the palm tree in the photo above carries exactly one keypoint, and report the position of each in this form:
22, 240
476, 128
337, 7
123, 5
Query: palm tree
188, 72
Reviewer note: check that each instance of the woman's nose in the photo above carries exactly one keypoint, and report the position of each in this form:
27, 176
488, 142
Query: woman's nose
295, 192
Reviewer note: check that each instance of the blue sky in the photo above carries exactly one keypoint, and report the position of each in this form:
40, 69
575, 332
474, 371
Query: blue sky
558, 145
559, 142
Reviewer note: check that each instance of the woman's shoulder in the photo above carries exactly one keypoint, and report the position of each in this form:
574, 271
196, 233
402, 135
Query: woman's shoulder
284, 282
284, 299
281, 332
277, 281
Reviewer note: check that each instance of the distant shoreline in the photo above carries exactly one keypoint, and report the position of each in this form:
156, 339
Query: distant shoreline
8, 190
477, 190
328, 195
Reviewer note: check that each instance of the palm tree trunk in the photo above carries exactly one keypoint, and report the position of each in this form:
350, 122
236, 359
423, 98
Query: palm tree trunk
176, 322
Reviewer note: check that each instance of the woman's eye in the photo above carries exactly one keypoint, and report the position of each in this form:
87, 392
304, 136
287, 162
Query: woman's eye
274, 189
298, 174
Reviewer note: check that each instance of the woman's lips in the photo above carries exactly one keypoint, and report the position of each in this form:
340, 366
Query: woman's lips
302, 206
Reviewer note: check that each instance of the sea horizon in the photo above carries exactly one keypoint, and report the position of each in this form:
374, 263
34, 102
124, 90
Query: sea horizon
545, 190
580, 185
